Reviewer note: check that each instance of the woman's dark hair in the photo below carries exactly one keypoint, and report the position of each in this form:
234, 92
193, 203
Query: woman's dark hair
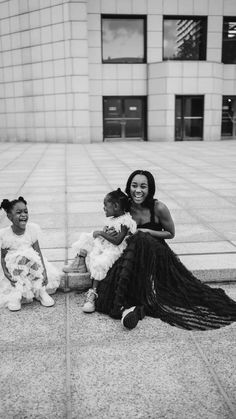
151, 185
8, 205
118, 196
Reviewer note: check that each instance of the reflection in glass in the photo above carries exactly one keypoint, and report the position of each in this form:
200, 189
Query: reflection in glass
112, 108
193, 106
229, 41
112, 129
124, 117
189, 112
133, 129
192, 128
133, 108
228, 127
184, 39
123, 40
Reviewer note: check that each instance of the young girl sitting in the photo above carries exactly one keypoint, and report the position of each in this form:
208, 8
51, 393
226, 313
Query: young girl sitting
24, 272
102, 248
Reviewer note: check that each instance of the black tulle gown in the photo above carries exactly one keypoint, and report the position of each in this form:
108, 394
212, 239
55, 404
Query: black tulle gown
150, 274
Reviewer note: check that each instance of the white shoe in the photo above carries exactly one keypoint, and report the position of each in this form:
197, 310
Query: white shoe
45, 299
14, 305
89, 304
14, 302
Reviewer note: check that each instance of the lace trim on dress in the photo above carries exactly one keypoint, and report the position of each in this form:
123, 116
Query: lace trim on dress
123, 220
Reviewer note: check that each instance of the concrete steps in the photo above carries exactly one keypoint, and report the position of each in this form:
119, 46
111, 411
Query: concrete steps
216, 268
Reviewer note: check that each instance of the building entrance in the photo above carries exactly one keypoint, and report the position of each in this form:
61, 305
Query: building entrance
189, 112
228, 127
124, 118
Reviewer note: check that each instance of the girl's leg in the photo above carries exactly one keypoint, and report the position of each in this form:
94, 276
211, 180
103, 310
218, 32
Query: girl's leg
89, 304
44, 298
82, 246
78, 264
82, 268
15, 297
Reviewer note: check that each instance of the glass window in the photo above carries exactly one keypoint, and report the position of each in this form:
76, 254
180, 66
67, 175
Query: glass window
184, 38
228, 127
189, 111
123, 39
229, 40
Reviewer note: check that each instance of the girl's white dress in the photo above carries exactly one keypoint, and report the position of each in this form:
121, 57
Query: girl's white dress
25, 266
101, 254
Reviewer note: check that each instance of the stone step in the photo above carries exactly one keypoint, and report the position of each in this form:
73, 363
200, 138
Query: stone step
75, 281
215, 268
220, 267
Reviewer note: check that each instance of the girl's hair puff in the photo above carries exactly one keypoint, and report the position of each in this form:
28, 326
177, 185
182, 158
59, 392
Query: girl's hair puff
151, 186
118, 196
7, 205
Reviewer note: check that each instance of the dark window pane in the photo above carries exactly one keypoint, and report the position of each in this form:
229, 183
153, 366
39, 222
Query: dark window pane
112, 129
193, 128
193, 106
227, 116
123, 40
184, 39
112, 108
134, 128
133, 108
229, 41
189, 112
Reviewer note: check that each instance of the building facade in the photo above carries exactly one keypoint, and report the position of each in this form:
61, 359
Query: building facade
111, 70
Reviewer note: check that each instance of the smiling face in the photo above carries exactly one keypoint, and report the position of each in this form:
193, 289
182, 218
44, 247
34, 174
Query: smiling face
139, 189
19, 216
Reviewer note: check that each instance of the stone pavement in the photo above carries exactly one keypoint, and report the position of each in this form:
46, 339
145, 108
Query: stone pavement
61, 363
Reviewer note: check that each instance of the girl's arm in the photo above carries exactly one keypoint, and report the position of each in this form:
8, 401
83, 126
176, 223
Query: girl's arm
36, 247
116, 240
163, 214
4, 267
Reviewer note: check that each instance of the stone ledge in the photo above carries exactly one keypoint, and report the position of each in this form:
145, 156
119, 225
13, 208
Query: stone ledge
212, 268
216, 275
82, 282
74, 281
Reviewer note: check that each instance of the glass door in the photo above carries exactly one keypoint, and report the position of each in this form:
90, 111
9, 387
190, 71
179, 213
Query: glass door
228, 127
124, 118
189, 112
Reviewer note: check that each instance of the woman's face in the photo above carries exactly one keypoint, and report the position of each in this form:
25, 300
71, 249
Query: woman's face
19, 215
139, 189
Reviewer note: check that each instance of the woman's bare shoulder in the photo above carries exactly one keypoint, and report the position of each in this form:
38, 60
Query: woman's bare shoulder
160, 207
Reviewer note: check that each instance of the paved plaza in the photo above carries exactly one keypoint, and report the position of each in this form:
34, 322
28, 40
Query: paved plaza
60, 363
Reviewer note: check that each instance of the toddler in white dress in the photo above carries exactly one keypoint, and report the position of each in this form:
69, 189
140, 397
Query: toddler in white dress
25, 273
98, 251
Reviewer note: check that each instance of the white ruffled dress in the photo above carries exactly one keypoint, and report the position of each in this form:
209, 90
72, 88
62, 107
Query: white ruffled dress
101, 254
25, 266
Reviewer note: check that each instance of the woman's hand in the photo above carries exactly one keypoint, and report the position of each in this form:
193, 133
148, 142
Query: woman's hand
112, 232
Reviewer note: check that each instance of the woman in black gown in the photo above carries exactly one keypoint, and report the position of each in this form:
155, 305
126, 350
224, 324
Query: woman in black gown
149, 279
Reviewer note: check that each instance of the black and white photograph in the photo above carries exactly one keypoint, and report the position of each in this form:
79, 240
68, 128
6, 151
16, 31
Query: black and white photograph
118, 209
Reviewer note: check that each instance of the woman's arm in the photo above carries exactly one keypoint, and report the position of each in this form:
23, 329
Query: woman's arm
4, 267
116, 240
36, 247
162, 212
